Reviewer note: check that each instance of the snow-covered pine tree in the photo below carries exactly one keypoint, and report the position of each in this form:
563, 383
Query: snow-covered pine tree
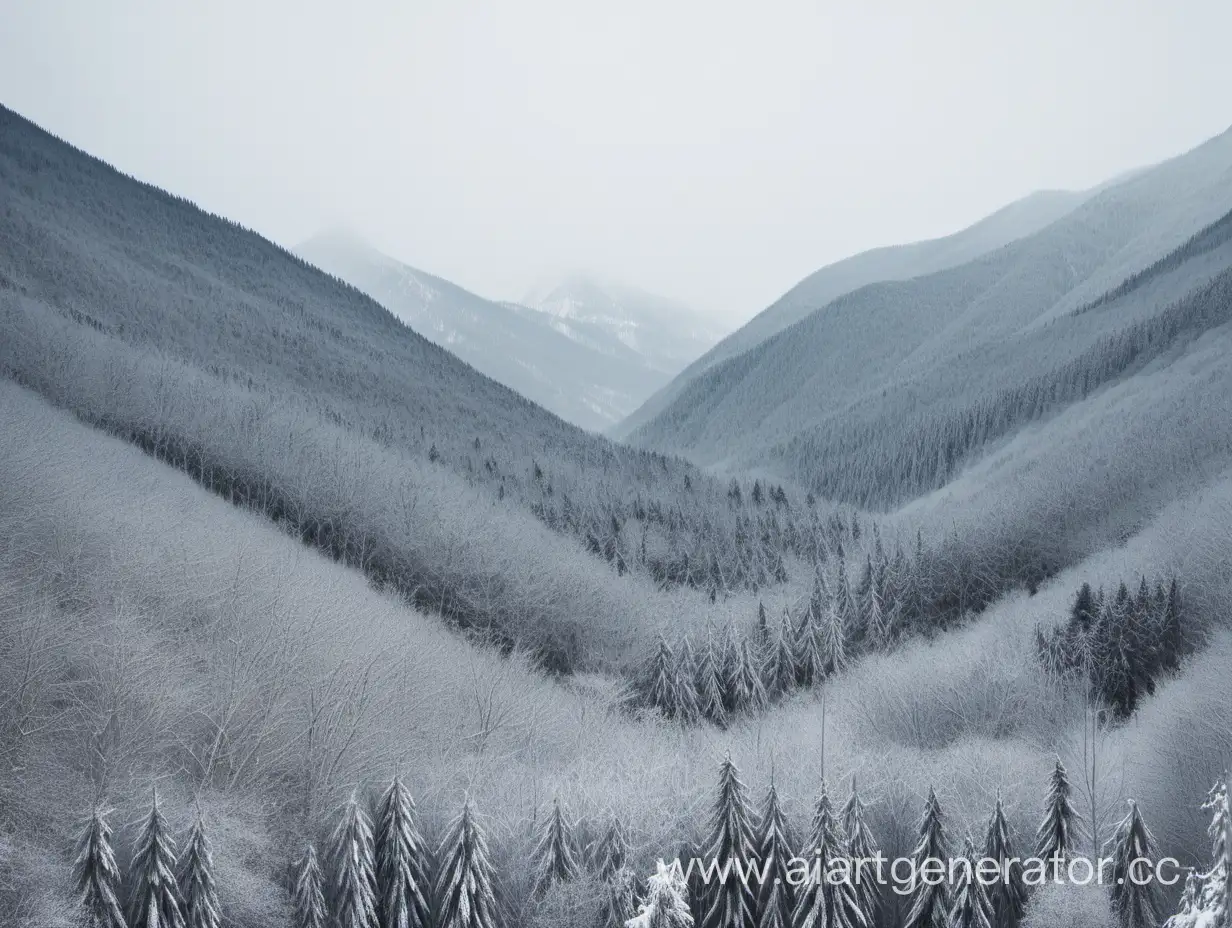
1008, 894
862, 846
96, 875
685, 685
1136, 906
972, 907
554, 858
779, 672
308, 895
731, 903
876, 632
154, 899
1216, 897
658, 684
667, 901
834, 639
810, 657
613, 850
775, 895
728, 657
355, 903
403, 888
749, 694
710, 698
825, 902
619, 898
197, 886
763, 626
1061, 826
464, 896
930, 904
1188, 911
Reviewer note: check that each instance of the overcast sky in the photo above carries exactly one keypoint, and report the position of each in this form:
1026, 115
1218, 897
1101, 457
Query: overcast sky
713, 151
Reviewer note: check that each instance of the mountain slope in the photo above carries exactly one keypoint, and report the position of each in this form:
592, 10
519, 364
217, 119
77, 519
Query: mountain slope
896, 262
832, 395
585, 382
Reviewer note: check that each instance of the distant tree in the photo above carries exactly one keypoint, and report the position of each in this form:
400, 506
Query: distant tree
730, 903
763, 627
1009, 893
659, 681
308, 896
464, 896
1060, 828
402, 880
355, 903
748, 692
667, 901
758, 496
154, 900
780, 669
862, 846
685, 685
971, 908
196, 880
1136, 897
711, 700
554, 858
834, 640
96, 875
775, 894
930, 904
826, 902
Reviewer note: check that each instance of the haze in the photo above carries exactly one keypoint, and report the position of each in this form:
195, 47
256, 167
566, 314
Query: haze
716, 153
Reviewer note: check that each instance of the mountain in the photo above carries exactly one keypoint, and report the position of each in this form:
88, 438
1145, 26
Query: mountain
896, 262
571, 367
886, 391
666, 333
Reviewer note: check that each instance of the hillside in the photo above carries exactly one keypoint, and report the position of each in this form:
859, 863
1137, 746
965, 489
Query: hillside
591, 382
896, 262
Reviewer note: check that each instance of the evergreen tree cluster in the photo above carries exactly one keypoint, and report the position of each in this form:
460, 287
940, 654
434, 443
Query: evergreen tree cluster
1122, 644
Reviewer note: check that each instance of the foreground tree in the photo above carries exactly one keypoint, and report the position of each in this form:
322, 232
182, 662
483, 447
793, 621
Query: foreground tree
96, 874
862, 846
197, 887
464, 895
930, 904
401, 861
731, 903
1136, 897
822, 901
553, 858
354, 869
1009, 893
613, 850
619, 898
667, 901
154, 899
775, 896
1059, 830
972, 907
1207, 901
308, 896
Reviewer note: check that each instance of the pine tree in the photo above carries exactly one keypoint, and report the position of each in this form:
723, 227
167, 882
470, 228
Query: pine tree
1060, 828
1216, 895
834, 640
354, 869
749, 695
1188, 910
876, 631
154, 900
401, 861
710, 698
619, 898
775, 895
464, 897
554, 858
308, 898
731, 903
971, 908
763, 626
96, 874
930, 904
1136, 906
197, 887
659, 679
686, 689
822, 902
1009, 893
780, 670
667, 901
613, 850
862, 846
810, 657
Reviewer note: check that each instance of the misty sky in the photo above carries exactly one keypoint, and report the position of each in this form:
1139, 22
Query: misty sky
713, 151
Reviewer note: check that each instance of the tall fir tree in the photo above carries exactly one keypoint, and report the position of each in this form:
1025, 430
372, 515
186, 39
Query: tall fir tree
464, 896
403, 887
834, 640
972, 907
96, 875
667, 900
862, 846
554, 857
197, 886
613, 850
619, 903
1061, 827
659, 680
355, 904
686, 687
308, 895
775, 894
749, 693
1009, 893
730, 903
1136, 897
930, 904
711, 703
154, 899
824, 900
780, 669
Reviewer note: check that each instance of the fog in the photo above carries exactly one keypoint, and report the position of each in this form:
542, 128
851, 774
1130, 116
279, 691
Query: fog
714, 152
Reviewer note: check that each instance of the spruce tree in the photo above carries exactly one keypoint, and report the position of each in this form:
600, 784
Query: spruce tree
403, 888
930, 904
749, 693
684, 684
775, 895
1060, 828
355, 903
834, 640
811, 665
1216, 895
763, 626
862, 846
619, 898
821, 901
1136, 906
667, 901
972, 907
710, 698
659, 679
780, 669
730, 903
1009, 893
197, 887
96, 874
308, 897
613, 850
554, 858
154, 901
464, 897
